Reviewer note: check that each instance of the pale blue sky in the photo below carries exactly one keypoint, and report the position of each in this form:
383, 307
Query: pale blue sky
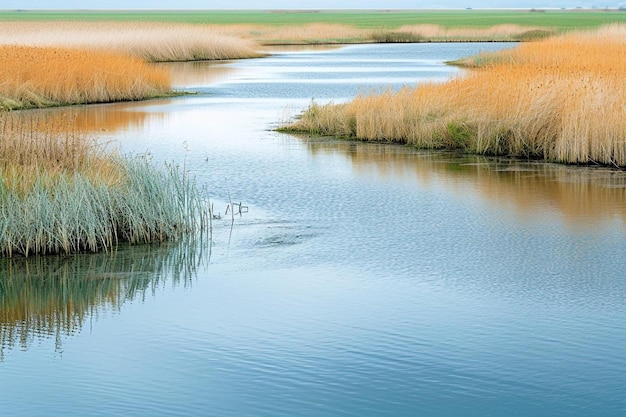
299, 4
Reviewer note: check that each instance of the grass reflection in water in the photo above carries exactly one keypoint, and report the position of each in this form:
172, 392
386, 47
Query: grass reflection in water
52, 297
582, 197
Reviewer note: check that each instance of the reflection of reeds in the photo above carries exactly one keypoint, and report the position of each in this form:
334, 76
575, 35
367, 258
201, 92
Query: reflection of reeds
62, 193
95, 119
560, 99
48, 297
38, 76
197, 73
583, 197
155, 42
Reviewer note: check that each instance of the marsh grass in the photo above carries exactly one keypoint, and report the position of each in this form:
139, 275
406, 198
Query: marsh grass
396, 37
561, 99
496, 33
296, 34
334, 33
64, 193
153, 42
46, 76
159, 42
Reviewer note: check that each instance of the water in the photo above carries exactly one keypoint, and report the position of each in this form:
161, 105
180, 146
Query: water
362, 280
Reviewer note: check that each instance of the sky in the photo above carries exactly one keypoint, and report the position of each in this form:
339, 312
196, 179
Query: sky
301, 4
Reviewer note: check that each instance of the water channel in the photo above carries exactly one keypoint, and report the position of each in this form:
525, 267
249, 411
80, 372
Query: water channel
357, 279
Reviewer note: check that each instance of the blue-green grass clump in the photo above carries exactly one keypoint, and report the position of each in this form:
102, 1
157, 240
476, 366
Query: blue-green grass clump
74, 214
62, 193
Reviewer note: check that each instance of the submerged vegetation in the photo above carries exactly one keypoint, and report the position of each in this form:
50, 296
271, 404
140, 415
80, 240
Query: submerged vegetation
62, 193
560, 99
48, 76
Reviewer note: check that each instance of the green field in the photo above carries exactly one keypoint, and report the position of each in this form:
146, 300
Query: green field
558, 19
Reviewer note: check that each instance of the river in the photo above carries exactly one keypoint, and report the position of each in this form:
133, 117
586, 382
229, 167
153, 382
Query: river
352, 279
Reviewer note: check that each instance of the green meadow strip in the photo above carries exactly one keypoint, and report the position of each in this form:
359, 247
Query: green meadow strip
562, 20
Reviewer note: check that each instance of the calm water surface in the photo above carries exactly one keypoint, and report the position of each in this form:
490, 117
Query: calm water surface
362, 280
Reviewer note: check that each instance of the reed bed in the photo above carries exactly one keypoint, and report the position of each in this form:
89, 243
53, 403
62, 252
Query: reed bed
497, 33
153, 42
159, 42
336, 33
62, 193
560, 99
46, 76
302, 34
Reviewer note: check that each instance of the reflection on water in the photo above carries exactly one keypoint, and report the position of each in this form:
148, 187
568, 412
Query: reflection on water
273, 49
93, 120
585, 197
52, 297
197, 73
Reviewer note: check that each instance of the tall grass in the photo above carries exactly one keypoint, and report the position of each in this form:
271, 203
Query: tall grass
561, 99
337, 33
154, 42
303, 34
44, 76
158, 42
497, 33
62, 193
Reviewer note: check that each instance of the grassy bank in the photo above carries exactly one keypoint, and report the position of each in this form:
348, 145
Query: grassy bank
62, 193
560, 99
46, 76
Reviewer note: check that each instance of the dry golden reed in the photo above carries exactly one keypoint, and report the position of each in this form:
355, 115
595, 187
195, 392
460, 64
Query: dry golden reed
499, 33
154, 42
313, 33
41, 76
34, 144
561, 99
328, 33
